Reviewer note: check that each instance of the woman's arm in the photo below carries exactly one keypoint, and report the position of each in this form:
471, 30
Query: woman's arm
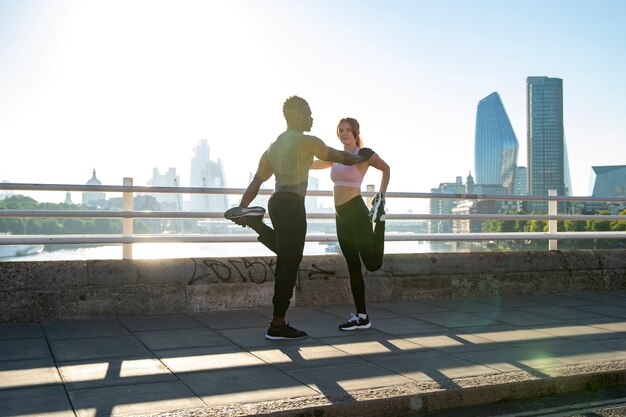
377, 162
319, 164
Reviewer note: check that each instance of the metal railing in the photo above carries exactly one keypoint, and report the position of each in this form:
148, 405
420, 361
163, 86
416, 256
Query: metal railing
127, 214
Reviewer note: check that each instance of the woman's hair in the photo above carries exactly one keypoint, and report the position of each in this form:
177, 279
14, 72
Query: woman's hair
356, 131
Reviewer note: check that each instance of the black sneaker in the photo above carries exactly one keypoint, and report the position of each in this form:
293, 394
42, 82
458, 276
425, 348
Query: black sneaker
355, 323
239, 212
377, 213
284, 332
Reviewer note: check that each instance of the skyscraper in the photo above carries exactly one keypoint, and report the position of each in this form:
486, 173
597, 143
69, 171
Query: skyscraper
495, 146
546, 160
207, 173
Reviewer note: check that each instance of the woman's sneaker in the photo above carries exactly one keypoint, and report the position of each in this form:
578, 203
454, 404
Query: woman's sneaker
284, 332
239, 212
356, 322
377, 213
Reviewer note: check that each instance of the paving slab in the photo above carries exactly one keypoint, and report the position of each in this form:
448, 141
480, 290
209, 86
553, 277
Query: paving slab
299, 357
606, 310
113, 372
220, 320
28, 374
212, 358
429, 365
181, 338
42, 401
363, 345
453, 343
333, 380
98, 348
21, 349
520, 318
377, 311
458, 319
80, 329
407, 326
20, 331
244, 385
168, 322
133, 399
560, 312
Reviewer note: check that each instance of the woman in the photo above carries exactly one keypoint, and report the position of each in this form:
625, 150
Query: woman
358, 242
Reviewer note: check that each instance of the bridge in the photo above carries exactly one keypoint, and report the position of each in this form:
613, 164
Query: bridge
184, 337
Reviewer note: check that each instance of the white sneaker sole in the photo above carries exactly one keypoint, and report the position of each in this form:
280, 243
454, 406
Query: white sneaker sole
367, 326
239, 212
267, 336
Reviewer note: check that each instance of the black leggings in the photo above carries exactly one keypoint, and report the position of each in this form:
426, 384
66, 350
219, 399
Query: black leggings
358, 243
287, 241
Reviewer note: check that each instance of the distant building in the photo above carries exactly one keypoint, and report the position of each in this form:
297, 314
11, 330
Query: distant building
94, 199
609, 181
546, 141
495, 144
207, 174
167, 202
68, 198
520, 186
444, 205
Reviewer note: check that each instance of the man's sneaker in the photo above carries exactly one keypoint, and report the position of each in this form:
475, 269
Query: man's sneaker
284, 332
239, 212
356, 322
377, 213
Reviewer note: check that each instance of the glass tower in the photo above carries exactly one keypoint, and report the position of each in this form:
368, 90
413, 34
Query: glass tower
496, 146
609, 181
546, 159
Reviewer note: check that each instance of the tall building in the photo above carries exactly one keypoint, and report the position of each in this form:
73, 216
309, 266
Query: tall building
208, 174
495, 146
545, 135
167, 202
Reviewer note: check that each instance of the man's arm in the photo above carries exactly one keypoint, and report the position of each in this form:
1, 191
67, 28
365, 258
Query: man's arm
318, 148
263, 173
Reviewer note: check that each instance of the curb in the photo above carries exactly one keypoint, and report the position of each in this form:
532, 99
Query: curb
423, 398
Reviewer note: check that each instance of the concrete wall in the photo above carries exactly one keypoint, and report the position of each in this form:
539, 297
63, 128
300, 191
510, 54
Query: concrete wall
32, 291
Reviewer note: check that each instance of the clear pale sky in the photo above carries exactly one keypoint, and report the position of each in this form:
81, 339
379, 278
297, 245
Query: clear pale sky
123, 86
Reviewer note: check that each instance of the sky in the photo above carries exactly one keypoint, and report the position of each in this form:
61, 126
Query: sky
125, 86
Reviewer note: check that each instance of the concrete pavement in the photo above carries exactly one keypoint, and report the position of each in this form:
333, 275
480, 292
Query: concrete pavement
419, 356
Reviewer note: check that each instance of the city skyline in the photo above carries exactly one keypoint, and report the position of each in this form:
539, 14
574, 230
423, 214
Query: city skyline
75, 95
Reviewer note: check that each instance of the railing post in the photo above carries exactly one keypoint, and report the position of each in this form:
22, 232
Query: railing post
552, 224
127, 223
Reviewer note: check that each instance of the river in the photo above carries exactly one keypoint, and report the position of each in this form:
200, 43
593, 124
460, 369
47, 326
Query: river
206, 250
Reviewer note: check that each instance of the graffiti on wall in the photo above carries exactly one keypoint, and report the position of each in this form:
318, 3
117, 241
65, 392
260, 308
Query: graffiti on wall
255, 270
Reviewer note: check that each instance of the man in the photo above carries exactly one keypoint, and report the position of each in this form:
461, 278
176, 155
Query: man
289, 159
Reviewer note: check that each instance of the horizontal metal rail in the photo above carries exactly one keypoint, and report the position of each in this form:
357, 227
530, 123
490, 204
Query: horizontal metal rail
323, 216
233, 238
316, 193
